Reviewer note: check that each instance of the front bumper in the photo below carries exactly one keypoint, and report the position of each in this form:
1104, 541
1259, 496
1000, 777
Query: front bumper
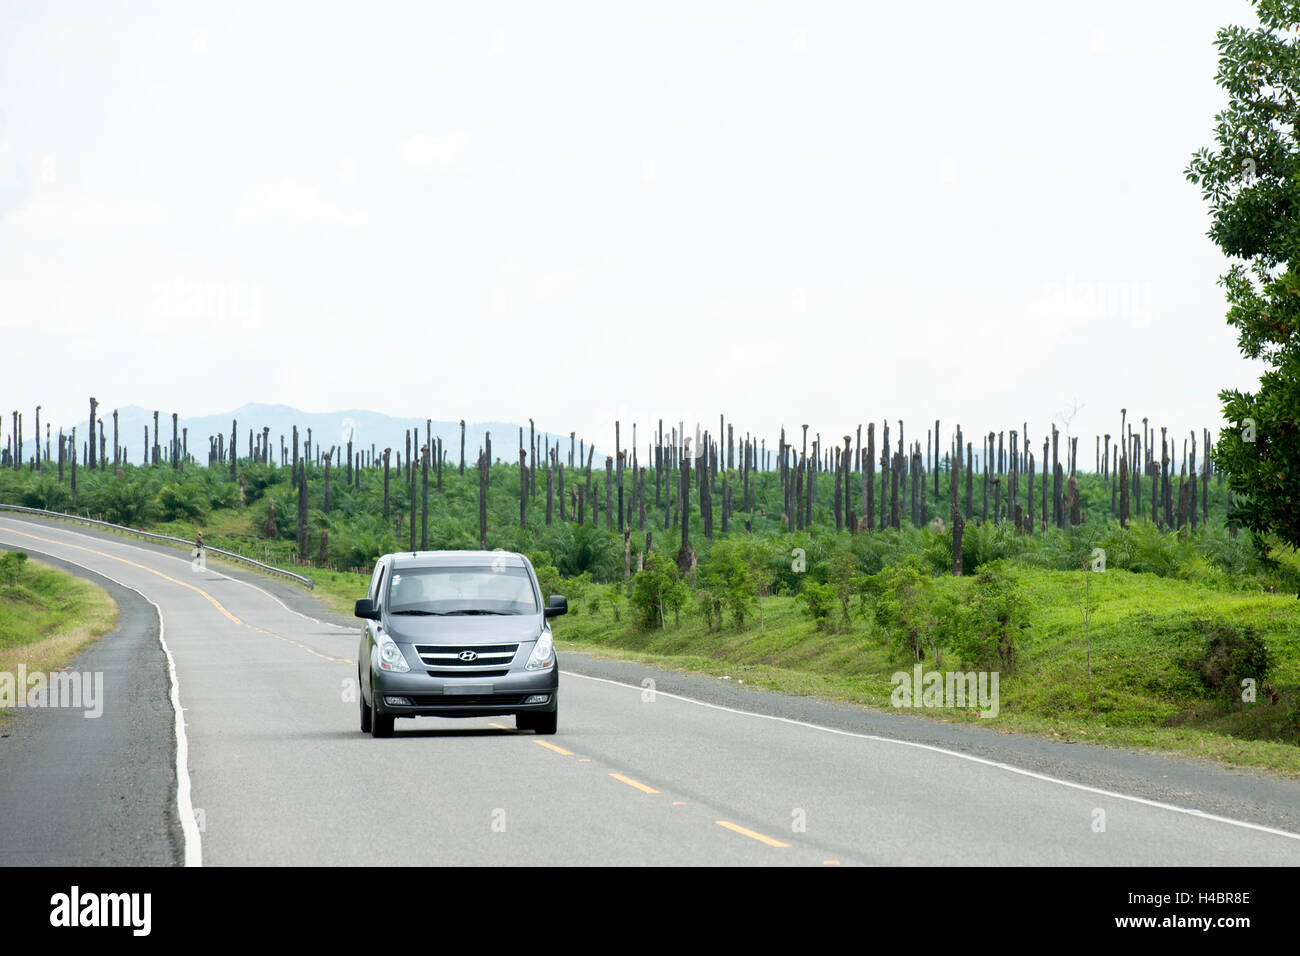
459, 696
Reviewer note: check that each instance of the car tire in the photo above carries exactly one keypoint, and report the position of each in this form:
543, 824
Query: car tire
381, 725
367, 714
543, 723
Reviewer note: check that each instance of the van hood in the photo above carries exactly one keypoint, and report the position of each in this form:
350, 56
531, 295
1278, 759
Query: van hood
464, 629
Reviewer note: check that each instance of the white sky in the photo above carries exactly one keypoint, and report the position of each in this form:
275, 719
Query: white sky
785, 212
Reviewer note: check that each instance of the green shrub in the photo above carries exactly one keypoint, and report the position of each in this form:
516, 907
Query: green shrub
1231, 653
819, 601
911, 610
47, 494
548, 578
985, 631
727, 573
11, 566
178, 502
656, 590
843, 578
710, 605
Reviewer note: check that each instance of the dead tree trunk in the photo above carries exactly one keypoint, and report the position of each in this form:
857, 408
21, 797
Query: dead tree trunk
609, 493
954, 516
484, 473
91, 461
387, 474
302, 511
550, 489
425, 452
684, 499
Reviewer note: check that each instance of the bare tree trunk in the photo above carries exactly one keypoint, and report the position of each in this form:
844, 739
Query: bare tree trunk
1030, 472
425, 452
954, 516
302, 511
609, 491
1123, 491
684, 500
328, 461
484, 473
550, 490
387, 474
91, 461
895, 518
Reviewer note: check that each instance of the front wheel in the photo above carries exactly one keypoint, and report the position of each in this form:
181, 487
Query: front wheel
367, 714
381, 725
543, 723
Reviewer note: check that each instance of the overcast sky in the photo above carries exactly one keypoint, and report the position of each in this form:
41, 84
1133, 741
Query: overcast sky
785, 212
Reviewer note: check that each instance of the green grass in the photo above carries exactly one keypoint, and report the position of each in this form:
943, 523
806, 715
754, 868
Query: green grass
48, 616
1141, 693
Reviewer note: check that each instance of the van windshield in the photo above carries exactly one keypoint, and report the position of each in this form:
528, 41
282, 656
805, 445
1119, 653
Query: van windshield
461, 590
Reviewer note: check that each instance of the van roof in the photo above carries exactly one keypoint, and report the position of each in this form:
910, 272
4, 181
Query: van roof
413, 559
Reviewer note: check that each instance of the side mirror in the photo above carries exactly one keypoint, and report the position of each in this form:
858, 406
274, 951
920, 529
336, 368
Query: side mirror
557, 605
366, 608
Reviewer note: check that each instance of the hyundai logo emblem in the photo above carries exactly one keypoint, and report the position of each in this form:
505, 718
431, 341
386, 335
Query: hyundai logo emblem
468, 656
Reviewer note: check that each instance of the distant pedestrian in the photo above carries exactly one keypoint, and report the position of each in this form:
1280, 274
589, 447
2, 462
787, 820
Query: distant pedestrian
198, 544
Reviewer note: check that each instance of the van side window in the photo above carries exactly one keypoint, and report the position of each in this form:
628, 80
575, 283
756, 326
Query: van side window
375, 580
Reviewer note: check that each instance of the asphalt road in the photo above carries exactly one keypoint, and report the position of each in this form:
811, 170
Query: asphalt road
268, 765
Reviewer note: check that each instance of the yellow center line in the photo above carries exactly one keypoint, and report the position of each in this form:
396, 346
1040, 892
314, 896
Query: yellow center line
633, 783
509, 730
735, 828
197, 590
558, 750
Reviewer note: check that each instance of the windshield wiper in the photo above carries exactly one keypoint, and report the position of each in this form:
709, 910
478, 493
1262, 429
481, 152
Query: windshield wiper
471, 610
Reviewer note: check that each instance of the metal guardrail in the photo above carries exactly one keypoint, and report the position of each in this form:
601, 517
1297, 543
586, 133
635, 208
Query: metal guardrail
221, 552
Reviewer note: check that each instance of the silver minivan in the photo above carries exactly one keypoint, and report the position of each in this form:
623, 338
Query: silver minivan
457, 634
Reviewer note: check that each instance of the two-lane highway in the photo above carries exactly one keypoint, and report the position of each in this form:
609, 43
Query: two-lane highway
271, 768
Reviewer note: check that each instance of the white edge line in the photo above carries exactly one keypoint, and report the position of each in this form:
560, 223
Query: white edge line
184, 804
184, 800
1200, 814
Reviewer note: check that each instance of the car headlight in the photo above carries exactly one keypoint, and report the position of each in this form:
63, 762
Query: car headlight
389, 657
543, 654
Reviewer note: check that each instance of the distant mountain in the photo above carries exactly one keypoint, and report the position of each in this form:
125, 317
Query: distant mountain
367, 428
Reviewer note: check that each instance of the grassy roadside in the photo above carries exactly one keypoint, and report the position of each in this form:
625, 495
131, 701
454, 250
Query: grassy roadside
1144, 630
47, 616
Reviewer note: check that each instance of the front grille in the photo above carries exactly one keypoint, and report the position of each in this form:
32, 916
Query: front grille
451, 657
465, 700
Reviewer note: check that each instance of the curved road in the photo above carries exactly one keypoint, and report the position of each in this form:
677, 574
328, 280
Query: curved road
268, 766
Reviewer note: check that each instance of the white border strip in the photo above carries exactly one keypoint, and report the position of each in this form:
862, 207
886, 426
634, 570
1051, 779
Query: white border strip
1201, 814
184, 801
